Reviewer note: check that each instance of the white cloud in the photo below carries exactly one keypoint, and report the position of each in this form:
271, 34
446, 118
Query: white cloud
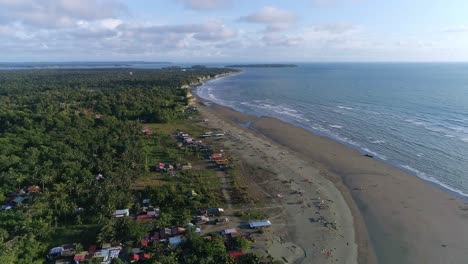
273, 39
274, 19
270, 15
459, 29
201, 5
338, 28
57, 13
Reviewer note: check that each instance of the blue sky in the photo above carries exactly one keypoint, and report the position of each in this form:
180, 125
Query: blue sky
234, 30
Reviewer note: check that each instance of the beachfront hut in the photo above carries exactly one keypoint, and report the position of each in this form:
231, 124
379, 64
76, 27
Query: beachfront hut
259, 224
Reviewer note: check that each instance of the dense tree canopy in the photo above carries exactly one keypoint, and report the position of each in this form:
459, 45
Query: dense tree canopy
77, 135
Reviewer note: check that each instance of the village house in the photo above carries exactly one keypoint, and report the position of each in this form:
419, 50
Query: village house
201, 219
214, 211
230, 231
146, 130
19, 197
121, 213
259, 224
176, 241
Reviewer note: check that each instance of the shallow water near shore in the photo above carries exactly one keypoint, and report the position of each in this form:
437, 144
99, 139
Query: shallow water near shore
412, 116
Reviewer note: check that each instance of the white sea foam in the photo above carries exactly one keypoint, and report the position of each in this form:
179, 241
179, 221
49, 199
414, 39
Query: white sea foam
345, 107
281, 109
449, 136
459, 129
424, 176
378, 141
336, 126
464, 139
427, 126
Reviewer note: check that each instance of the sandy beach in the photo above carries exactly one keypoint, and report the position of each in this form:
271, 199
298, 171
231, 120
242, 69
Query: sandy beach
379, 213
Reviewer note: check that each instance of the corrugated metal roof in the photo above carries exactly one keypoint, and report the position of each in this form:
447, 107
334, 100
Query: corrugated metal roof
259, 224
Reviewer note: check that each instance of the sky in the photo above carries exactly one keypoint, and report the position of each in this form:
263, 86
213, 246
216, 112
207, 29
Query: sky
234, 30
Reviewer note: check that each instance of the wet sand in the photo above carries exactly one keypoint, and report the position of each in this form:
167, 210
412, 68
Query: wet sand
406, 219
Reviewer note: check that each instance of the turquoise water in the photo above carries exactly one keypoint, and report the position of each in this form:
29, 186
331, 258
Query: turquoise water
413, 116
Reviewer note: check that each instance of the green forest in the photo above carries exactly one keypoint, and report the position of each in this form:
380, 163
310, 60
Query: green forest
71, 144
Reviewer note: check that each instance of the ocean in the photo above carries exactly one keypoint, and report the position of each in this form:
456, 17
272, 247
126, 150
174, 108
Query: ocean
411, 115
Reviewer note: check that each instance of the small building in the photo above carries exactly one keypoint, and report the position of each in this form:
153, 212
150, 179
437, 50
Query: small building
144, 243
176, 241
147, 131
259, 224
236, 254
186, 166
177, 231
80, 256
121, 213
168, 167
217, 156
165, 232
221, 221
33, 189
67, 250
230, 231
201, 219
214, 211
160, 166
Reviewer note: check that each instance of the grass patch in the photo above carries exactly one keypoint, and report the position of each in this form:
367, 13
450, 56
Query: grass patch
251, 215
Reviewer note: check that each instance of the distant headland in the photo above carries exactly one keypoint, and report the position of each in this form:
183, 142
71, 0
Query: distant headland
275, 65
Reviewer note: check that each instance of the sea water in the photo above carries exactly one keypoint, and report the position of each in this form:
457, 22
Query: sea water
411, 115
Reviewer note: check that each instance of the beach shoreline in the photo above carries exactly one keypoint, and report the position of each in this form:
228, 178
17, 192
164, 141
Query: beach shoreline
392, 205
363, 252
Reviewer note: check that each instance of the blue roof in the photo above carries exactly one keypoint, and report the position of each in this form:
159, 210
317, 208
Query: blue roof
19, 199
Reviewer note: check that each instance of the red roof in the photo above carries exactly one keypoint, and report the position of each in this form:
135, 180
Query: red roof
146, 255
79, 257
144, 242
217, 156
136, 257
236, 254
34, 188
146, 216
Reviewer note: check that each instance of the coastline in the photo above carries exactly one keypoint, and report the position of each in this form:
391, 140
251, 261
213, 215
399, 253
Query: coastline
330, 185
409, 220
